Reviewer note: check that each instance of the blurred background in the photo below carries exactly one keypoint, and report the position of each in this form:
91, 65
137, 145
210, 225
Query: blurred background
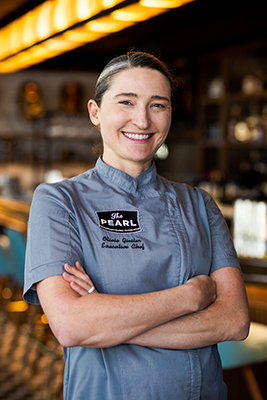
51, 53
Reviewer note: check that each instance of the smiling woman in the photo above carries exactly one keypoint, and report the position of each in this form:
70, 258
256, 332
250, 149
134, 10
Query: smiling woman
134, 118
137, 275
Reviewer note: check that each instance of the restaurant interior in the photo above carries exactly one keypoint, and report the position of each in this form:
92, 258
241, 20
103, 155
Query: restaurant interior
51, 52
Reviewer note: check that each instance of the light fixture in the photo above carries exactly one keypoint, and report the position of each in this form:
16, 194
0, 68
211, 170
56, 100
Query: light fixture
43, 20
58, 26
81, 35
107, 25
86, 9
136, 13
164, 3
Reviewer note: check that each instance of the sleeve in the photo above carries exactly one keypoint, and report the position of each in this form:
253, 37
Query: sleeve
52, 240
222, 247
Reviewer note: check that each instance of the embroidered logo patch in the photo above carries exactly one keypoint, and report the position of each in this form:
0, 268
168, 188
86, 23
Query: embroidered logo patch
119, 221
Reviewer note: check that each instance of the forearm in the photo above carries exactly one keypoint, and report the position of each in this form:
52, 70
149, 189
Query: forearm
204, 328
226, 319
181, 333
101, 320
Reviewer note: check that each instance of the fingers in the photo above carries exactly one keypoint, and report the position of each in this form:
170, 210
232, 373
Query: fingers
79, 281
79, 267
78, 289
76, 271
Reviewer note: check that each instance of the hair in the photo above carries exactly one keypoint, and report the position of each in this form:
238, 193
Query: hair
132, 59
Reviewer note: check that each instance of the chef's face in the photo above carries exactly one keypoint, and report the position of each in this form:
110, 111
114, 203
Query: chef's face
134, 118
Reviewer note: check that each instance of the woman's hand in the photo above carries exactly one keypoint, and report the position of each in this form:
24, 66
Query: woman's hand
203, 286
204, 289
79, 281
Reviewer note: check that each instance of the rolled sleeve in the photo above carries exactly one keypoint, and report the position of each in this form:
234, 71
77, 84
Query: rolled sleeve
52, 239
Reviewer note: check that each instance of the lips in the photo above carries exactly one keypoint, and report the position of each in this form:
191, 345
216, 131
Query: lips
137, 136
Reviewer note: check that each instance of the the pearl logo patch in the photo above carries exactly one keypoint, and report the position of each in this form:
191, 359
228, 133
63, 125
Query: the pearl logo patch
119, 221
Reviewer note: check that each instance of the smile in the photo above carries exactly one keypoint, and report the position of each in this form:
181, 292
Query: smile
136, 136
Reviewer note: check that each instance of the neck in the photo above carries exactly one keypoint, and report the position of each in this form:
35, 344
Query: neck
133, 169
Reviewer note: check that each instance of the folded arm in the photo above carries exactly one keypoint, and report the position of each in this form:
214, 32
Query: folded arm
103, 320
226, 319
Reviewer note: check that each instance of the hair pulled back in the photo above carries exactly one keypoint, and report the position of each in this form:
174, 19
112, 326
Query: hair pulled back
133, 59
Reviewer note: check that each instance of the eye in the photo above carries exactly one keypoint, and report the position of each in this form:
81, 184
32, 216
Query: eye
125, 102
159, 105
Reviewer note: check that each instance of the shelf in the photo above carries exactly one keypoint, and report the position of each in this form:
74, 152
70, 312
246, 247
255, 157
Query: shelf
234, 97
245, 145
245, 97
218, 150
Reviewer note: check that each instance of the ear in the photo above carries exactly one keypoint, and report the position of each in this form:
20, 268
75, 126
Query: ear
93, 110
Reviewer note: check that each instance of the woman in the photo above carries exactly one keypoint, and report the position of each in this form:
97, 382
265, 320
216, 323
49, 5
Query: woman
151, 280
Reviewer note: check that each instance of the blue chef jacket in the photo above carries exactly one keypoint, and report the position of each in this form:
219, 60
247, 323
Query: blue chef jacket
131, 236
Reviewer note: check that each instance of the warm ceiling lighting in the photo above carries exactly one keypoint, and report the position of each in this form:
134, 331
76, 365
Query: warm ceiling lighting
65, 14
81, 35
28, 31
136, 13
16, 38
107, 25
58, 26
86, 9
110, 3
164, 3
43, 21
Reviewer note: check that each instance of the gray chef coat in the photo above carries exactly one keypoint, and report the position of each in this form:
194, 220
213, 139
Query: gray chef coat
132, 236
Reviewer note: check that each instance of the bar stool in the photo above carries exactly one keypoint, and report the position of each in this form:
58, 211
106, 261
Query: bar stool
244, 354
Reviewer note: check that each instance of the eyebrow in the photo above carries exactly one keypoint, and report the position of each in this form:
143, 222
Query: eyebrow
130, 94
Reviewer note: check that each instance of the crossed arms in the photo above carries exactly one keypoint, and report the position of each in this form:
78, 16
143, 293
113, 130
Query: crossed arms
204, 311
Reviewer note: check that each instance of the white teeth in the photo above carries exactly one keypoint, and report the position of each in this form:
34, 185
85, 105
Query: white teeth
136, 136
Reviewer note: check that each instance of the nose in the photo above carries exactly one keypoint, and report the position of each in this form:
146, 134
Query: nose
141, 118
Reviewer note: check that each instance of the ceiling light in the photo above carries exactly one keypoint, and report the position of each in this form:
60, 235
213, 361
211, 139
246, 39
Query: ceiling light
58, 26
86, 9
81, 36
64, 14
136, 13
164, 3
107, 25
43, 21
110, 3
29, 31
